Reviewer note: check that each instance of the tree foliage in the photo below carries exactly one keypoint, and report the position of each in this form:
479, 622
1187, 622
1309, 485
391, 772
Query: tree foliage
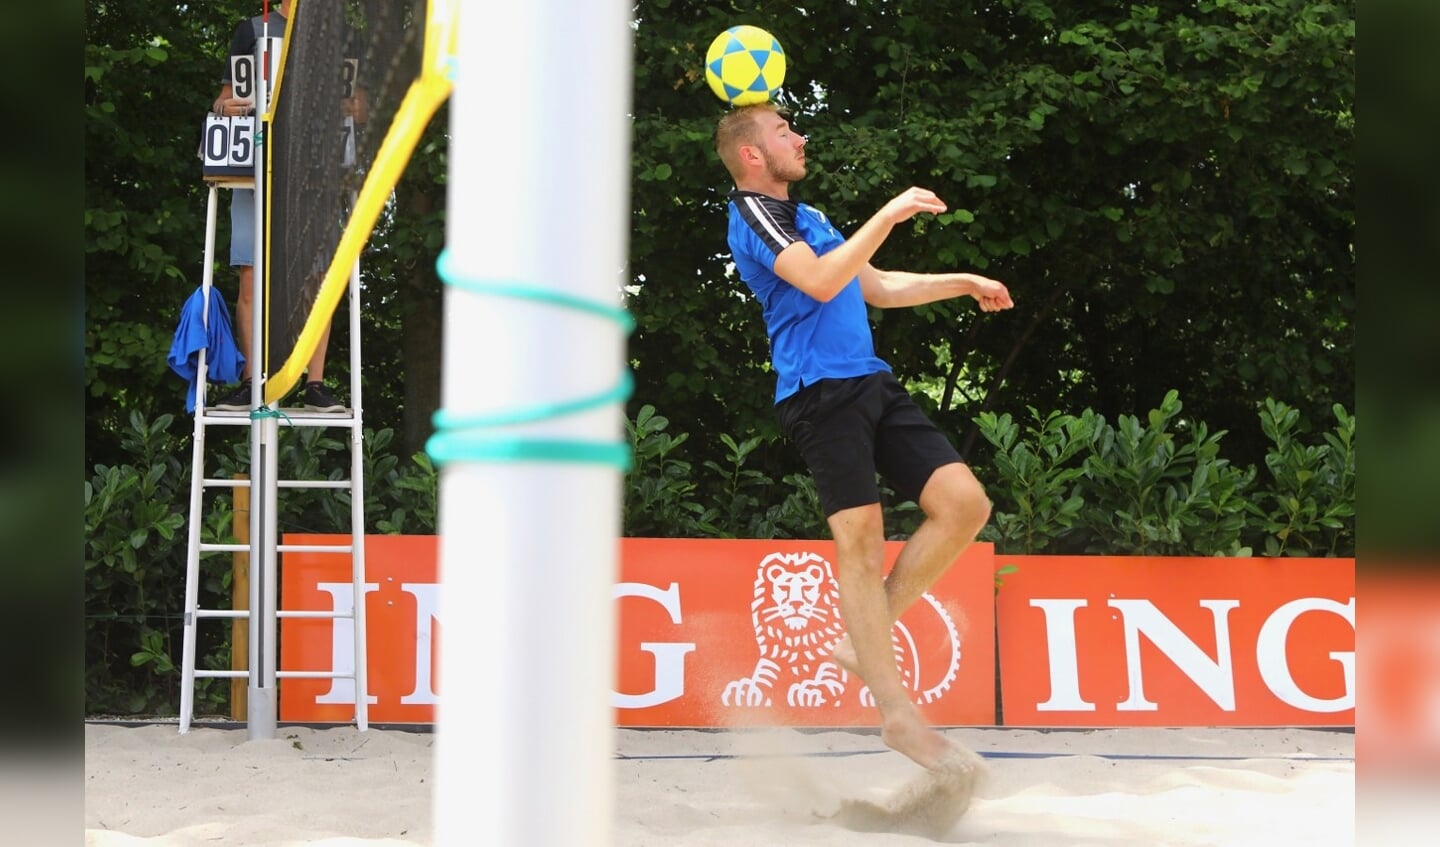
152, 70
1165, 187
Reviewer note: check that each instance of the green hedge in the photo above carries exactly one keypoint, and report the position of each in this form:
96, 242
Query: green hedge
1061, 484
1078, 484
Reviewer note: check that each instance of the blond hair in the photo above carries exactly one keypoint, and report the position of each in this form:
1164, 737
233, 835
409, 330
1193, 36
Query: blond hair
736, 129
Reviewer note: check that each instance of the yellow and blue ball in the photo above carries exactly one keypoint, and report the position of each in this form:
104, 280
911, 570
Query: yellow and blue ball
745, 65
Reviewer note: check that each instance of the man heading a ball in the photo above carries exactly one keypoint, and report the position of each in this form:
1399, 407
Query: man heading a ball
842, 406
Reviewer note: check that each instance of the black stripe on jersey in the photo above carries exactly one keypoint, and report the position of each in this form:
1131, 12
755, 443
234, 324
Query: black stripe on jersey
771, 219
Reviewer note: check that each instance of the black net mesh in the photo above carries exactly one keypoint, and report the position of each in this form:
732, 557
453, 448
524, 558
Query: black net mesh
347, 66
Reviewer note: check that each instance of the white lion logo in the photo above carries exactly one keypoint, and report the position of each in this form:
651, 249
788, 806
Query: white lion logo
796, 615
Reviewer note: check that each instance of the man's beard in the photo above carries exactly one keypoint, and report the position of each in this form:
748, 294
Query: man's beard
787, 171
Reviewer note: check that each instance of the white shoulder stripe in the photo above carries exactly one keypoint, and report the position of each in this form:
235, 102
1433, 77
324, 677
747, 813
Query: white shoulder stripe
760, 215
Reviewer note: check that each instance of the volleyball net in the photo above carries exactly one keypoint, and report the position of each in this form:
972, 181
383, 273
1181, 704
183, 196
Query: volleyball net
358, 82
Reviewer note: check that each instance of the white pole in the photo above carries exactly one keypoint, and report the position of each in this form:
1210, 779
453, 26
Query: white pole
538, 199
357, 507
261, 709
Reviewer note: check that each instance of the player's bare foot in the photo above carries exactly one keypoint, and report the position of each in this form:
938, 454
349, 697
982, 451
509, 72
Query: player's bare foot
904, 732
901, 727
928, 805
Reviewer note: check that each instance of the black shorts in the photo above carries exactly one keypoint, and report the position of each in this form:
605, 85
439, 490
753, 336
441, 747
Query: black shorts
848, 430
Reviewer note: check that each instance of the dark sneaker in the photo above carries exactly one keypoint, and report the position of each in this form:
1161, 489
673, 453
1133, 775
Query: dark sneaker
317, 398
236, 399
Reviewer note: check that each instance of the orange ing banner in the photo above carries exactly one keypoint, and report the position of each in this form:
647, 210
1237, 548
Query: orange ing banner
1130, 641
711, 633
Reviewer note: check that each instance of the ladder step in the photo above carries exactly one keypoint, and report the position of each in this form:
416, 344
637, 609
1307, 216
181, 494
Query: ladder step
314, 548
242, 674
283, 548
222, 613
314, 675
301, 416
213, 417
232, 483
313, 613
206, 547
218, 482
291, 417
279, 613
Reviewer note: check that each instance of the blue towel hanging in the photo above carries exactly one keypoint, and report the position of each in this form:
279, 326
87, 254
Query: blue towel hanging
224, 361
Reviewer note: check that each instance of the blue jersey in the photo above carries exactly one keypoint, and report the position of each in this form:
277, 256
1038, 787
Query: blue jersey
809, 340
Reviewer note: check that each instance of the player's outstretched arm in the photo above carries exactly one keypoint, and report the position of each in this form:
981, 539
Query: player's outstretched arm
898, 289
822, 277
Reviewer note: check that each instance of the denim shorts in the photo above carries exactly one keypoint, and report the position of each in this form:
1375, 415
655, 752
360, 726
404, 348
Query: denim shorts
242, 227
848, 430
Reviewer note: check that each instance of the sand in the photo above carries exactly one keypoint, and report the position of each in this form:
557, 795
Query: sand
149, 785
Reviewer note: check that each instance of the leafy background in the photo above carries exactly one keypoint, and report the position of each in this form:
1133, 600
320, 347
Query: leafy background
1167, 189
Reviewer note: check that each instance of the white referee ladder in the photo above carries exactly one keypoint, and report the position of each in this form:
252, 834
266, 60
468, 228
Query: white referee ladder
262, 671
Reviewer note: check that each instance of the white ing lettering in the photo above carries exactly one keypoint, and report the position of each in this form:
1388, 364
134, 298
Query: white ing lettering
1275, 670
427, 605
1064, 665
1215, 677
342, 641
669, 655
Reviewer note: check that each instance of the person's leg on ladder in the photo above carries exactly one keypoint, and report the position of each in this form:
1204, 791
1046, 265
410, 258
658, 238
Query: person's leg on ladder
315, 395
238, 398
315, 370
245, 316
242, 259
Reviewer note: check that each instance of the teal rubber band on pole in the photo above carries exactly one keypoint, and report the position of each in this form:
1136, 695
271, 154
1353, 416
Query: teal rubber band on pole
462, 437
510, 417
532, 293
267, 412
461, 446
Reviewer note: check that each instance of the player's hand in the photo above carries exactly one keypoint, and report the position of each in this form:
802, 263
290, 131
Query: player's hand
992, 295
911, 202
357, 107
233, 106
